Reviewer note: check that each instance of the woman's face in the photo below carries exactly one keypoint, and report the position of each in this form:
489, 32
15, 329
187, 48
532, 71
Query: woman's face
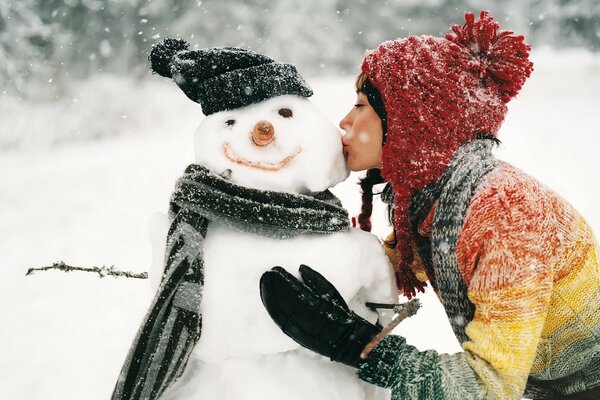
363, 136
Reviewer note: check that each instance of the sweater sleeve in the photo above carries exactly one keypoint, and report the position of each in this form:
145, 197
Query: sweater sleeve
510, 284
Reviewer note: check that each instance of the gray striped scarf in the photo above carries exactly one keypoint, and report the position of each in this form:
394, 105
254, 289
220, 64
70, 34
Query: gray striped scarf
173, 324
453, 193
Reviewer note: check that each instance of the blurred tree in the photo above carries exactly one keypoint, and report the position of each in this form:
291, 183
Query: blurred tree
566, 23
221, 23
68, 40
312, 42
22, 37
92, 35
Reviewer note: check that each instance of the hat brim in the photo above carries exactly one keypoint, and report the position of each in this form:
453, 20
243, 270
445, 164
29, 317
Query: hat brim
243, 87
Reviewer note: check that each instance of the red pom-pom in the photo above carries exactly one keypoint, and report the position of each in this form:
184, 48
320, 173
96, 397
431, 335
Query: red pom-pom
499, 57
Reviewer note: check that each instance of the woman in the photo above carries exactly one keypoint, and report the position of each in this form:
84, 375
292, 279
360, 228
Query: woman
515, 266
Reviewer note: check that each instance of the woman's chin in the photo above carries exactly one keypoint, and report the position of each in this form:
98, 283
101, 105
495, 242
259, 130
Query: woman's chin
348, 163
357, 167
352, 168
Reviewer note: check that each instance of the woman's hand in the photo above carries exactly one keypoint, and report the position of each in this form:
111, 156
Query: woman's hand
313, 313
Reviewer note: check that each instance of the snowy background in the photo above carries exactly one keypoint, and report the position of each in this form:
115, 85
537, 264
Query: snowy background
86, 158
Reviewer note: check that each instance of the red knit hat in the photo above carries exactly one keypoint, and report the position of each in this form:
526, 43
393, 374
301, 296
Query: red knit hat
440, 93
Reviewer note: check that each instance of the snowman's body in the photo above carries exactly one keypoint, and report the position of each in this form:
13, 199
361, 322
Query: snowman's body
241, 353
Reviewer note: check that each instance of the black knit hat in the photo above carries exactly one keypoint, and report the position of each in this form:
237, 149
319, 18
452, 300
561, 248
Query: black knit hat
225, 78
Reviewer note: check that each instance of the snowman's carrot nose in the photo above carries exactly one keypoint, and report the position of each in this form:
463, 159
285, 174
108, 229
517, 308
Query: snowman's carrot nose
263, 133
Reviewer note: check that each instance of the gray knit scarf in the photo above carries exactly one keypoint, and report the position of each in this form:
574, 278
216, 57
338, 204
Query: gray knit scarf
173, 324
453, 193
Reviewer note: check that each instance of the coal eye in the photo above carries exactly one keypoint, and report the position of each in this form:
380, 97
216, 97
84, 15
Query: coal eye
286, 113
230, 122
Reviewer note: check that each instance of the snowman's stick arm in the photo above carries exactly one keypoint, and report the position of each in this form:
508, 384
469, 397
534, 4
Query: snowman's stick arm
102, 271
403, 311
398, 308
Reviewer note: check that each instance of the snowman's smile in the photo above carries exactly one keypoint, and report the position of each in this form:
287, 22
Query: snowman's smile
232, 156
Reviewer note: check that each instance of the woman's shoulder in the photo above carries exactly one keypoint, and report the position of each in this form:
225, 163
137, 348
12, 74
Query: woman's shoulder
506, 177
511, 214
510, 200
507, 187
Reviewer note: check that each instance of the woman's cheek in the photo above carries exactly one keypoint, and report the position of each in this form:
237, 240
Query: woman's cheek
363, 138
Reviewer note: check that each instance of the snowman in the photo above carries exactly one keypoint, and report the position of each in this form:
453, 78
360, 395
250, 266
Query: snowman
255, 198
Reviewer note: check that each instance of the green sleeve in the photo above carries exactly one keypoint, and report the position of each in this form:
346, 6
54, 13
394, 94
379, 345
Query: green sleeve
413, 374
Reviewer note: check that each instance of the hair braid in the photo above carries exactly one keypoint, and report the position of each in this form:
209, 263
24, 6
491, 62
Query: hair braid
372, 178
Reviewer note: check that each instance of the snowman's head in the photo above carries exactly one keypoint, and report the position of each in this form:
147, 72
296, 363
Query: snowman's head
260, 130
284, 143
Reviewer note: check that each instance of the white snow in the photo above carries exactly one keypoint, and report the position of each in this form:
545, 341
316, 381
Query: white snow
64, 336
234, 262
262, 378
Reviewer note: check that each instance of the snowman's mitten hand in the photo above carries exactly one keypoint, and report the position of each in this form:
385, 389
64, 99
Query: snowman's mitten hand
313, 313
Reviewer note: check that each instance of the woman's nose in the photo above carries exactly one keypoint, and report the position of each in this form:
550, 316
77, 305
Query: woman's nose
345, 123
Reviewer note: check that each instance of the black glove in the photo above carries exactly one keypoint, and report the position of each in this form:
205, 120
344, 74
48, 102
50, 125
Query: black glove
315, 315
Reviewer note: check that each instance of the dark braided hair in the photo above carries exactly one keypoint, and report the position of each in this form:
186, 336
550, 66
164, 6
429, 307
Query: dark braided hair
373, 177
364, 85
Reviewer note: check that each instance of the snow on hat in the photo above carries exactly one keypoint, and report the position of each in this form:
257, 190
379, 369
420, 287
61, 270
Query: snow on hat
440, 93
225, 78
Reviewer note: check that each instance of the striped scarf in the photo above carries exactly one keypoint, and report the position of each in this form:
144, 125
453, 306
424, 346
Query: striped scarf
173, 324
453, 193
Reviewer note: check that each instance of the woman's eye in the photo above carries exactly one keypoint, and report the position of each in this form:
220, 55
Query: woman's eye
358, 105
286, 113
230, 122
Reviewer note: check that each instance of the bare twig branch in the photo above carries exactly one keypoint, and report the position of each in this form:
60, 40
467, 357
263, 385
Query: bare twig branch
102, 271
403, 311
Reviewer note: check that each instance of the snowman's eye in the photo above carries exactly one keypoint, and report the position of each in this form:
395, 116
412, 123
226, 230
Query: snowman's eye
286, 113
230, 122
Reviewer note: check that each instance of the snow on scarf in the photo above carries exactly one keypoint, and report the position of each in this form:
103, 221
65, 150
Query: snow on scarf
173, 324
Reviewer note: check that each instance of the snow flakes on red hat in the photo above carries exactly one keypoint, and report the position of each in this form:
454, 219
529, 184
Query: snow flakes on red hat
440, 93
499, 56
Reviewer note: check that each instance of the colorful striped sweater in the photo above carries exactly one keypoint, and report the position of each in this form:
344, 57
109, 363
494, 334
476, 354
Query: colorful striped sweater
528, 264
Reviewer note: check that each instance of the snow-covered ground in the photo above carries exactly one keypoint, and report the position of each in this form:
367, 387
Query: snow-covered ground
64, 336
